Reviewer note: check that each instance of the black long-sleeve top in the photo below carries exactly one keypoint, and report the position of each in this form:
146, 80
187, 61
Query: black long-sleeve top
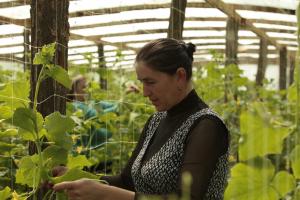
205, 143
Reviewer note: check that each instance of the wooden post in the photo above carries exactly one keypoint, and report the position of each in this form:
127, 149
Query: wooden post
232, 29
49, 23
102, 66
282, 68
292, 69
26, 57
262, 62
177, 16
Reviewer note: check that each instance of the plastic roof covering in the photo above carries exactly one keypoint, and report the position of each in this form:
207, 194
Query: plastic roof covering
131, 29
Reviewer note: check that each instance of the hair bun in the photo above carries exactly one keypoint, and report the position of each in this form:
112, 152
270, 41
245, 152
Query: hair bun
190, 49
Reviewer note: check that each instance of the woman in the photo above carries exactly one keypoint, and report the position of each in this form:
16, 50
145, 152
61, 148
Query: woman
183, 136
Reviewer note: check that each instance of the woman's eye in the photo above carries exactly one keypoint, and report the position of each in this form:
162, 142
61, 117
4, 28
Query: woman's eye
150, 82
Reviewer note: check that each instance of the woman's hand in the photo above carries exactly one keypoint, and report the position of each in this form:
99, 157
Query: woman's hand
86, 189
59, 171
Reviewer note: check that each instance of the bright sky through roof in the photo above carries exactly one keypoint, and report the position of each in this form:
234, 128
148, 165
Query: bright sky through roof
82, 5
162, 13
124, 28
288, 4
248, 14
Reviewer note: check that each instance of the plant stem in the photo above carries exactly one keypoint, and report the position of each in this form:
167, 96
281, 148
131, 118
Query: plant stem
37, 87
297, 78
37, 141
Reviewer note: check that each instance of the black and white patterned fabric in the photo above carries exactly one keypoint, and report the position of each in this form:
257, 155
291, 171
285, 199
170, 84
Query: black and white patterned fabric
159, 175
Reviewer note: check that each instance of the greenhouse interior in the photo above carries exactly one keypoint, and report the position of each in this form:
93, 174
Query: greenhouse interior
87, 85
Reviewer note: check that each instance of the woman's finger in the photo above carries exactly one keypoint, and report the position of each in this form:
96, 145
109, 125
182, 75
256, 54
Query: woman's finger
67, 185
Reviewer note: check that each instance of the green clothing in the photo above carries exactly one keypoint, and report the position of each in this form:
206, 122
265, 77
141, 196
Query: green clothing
96, 136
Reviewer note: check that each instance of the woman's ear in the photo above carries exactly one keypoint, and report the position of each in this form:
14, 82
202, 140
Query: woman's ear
181, 74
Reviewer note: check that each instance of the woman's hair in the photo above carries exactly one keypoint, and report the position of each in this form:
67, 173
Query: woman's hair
167, 55
71, 96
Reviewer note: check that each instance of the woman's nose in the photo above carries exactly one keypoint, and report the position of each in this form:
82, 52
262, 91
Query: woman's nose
146, 91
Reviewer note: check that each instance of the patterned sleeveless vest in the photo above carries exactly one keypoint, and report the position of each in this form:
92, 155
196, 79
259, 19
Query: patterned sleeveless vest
160, 174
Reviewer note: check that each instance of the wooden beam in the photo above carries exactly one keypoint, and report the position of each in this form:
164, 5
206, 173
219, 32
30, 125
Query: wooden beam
230, 11
20, 22
14, 3
11, 58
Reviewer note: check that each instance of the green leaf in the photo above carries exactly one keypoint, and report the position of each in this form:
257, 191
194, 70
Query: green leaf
54, 156
297, 194
5, 147
5, 193
60, 75
15, 94
251, 181
8, 133
284, 183
258, 136
45, 55
78, 162
28, 171
61, 196
24, 118
5, 112
295, 159
57, 126
73, 175
292, 93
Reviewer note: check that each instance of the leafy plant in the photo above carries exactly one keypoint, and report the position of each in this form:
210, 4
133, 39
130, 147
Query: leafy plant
33, 170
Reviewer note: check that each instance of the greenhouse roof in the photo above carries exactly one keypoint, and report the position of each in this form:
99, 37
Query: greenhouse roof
128, 25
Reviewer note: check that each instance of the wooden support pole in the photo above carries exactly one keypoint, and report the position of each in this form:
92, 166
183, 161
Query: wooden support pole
262, 62
292, 62
176, 20
232, 28
282, 68
102, 66
50, 24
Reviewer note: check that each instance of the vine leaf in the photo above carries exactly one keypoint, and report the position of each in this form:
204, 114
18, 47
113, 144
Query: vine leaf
54, 156
284, 183
60, 75
251, 181
28, 171
24, 118
15, 94
258, 136
27, 121
73, 175
295, 159
5, 193
78, 162
5, 112
57, 126
45, 55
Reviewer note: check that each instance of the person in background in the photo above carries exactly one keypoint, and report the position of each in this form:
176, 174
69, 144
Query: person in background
184, 135
78, 95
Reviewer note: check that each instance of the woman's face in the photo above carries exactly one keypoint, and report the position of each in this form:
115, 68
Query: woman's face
80, 90
160, 88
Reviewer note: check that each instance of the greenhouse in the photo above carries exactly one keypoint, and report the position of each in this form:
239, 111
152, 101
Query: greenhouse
149, 99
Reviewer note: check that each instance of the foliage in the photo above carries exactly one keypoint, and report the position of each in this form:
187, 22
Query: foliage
33, 170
